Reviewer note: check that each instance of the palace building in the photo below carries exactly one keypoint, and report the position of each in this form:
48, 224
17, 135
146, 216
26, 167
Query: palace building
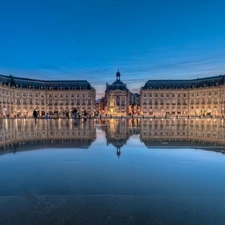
198, 97
20, 96
117, 98
159, 98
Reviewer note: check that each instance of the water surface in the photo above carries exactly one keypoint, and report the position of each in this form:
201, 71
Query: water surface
112, 172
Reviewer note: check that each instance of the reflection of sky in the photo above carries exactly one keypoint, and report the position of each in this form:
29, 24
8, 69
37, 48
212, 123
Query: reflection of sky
91, 39
98, 171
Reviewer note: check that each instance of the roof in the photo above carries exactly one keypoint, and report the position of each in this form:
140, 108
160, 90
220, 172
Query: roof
179, 84
117, 85
45, 84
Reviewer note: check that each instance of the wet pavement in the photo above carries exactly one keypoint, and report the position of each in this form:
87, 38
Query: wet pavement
109, 171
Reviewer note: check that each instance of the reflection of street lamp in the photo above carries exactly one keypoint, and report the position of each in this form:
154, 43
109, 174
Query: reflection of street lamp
4, 113
215, 111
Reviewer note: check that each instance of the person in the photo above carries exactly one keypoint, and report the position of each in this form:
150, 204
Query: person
67, 115
74, 114
47, 116
35, 115
85, 115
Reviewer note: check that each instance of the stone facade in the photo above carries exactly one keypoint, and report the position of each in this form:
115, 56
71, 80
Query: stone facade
199, 97
117, 98
20, 96
159, 98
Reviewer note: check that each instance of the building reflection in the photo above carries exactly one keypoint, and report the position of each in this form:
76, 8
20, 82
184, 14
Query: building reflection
21, 133
201, 133
118, 131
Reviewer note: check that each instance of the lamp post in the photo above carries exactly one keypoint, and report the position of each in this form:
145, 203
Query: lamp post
4, 112
162, 113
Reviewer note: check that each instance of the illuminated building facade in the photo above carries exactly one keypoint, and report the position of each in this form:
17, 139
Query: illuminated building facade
117, 98
198, 97
20, 96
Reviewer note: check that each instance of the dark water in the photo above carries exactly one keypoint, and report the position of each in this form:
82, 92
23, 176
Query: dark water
112, 172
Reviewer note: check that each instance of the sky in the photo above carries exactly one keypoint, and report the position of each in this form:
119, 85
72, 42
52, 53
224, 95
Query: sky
91, 39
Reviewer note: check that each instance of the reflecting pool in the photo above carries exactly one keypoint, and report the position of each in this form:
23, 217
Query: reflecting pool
112, 171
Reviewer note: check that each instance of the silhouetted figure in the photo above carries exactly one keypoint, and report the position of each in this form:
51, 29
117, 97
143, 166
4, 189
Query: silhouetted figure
35, 115
75, 115
85, 115
47, 116
67, 115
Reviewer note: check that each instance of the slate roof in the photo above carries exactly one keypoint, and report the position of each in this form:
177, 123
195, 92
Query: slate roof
179, 84
45, 84
117, 85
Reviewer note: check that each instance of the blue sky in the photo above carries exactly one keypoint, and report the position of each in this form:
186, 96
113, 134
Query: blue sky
86, 39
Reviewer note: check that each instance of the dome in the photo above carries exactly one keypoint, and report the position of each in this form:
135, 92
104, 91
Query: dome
118, 85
